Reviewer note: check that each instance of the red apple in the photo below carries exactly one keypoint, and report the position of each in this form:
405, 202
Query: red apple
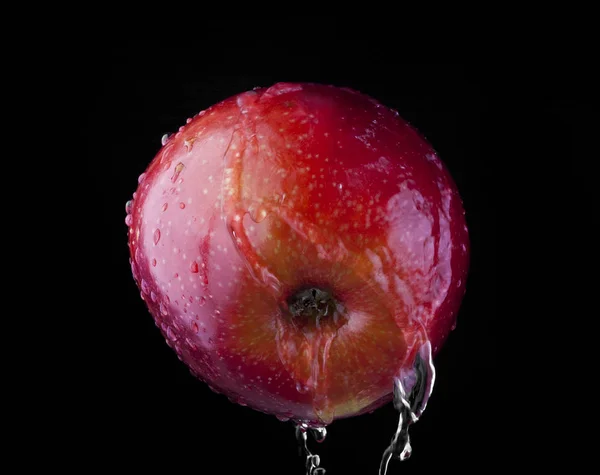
296, 245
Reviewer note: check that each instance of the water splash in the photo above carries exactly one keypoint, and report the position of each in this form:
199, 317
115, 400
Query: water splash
312, 460
412, 390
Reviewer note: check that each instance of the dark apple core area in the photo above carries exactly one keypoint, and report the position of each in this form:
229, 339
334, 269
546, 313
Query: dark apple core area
313, 307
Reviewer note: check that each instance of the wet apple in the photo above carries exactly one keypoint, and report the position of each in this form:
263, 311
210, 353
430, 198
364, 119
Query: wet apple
297, 245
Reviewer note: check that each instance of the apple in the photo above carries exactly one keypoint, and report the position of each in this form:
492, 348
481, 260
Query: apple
296, 245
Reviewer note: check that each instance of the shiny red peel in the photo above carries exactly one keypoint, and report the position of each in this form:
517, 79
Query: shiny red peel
295, 187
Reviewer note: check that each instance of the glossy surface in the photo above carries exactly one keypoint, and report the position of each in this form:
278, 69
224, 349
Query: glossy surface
273, 191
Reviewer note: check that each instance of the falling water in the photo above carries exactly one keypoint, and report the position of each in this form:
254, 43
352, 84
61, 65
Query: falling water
312, 460
411, 393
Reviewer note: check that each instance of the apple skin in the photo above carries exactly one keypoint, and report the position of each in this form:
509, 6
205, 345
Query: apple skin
294, 187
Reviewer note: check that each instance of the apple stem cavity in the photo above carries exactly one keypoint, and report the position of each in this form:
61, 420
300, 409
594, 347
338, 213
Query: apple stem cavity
311, 305
315, 309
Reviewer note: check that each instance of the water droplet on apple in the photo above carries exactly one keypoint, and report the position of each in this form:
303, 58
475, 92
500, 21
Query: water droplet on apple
164, 139
165, 206
301, 388
163, 309
181, 205
178, 168
141, 178
129, 206
282, 418
257, 213
153, 296
156, 236
153, 262
128, 220
194, 268
194, 326
145, 287
171, 334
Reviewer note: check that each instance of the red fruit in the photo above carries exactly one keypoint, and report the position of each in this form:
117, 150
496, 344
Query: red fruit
296, 245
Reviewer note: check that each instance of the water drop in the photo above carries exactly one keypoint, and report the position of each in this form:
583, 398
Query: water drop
319, 434
171, 335
165, 206
202, 301
301, 388
257, 213
145, 287
128, 220
191, 344
156, 236
164, 139
282, 418
181, 205
194, 267
153, 296
194, 326
453, 327
153, 262
129, 206
141, 178
180, 166
134, 272
163, 309
137, 255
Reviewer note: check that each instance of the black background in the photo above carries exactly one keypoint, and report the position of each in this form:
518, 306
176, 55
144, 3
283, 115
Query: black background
502, 128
